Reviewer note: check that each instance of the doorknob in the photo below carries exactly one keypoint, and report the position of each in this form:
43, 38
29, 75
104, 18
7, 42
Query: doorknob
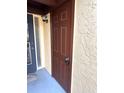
66, 60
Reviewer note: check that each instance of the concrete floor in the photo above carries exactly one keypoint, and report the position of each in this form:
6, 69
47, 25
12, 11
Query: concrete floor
43, 82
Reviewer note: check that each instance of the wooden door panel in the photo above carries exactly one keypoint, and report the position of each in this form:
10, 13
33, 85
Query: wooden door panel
62, 45
63, 16
63, 40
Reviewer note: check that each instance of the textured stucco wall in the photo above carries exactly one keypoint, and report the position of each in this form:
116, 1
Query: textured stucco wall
84, 48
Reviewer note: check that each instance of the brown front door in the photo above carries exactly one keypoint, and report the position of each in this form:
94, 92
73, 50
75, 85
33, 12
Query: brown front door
62, 37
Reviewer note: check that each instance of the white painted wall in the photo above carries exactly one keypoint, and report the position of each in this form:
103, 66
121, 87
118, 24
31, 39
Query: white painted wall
47, 44
84, 69
42, 50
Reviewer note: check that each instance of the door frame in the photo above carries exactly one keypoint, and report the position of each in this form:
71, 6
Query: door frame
33, 65
34, 15
35, 42
38, 68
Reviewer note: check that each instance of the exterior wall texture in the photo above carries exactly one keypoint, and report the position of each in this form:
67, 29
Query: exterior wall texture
84, 67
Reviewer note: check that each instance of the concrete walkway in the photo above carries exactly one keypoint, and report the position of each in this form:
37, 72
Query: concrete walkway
43, 82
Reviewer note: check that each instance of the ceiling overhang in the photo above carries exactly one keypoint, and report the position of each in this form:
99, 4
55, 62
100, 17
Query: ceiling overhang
42, 7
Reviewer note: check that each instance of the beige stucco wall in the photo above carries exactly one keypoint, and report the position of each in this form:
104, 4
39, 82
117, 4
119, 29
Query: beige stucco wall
84, 48
47, 44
